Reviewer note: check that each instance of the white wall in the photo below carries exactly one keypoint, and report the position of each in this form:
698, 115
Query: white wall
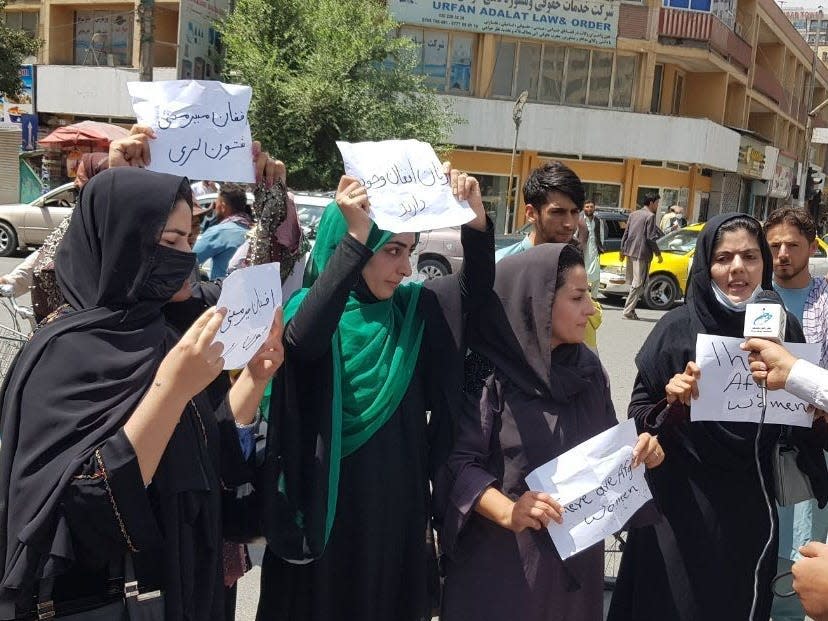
89, 91
588, 131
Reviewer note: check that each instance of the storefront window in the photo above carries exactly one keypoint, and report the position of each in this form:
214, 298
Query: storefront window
552, 72
443, 57
606, 195
25, 21
504, 69
577, 73
622, 92
103, 38
528, 72
600, 79
494, 189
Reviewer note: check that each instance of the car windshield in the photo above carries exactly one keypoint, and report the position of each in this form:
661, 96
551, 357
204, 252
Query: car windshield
679, 242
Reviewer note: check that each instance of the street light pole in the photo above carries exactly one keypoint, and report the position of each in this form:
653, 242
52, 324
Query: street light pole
809, 131
517, 115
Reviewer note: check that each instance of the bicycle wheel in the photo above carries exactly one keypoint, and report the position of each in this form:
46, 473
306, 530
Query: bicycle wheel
613, 548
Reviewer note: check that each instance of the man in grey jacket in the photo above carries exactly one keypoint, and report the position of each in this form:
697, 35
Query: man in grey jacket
638, 244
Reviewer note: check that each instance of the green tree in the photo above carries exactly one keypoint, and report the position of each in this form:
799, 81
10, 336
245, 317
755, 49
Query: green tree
15, 45
324, 71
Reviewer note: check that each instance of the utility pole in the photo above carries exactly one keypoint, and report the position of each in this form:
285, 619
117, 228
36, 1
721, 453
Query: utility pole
517, 115
146, 21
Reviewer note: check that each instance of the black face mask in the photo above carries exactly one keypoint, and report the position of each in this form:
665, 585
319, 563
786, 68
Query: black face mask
170, 269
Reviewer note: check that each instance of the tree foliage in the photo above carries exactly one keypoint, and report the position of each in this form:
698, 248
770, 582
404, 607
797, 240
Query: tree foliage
324, 71
15, 45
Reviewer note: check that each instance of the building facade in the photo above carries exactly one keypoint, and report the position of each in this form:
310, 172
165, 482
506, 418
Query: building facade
705, 102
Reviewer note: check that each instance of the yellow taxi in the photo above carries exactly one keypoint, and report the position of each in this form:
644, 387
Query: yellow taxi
668, 280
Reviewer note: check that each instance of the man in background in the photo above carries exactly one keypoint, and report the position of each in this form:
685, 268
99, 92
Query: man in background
638, 244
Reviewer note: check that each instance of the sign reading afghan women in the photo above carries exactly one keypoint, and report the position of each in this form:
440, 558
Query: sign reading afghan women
588, 22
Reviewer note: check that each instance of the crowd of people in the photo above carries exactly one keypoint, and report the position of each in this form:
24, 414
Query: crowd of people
394, 409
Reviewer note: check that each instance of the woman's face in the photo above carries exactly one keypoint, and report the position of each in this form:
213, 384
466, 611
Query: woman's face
389, 265
176, 235
736, 266
572, 308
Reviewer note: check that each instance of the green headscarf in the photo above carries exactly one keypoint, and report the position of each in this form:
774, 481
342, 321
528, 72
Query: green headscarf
374, 351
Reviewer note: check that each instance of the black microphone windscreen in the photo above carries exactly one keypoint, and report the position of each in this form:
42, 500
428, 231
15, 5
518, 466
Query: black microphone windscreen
769, 296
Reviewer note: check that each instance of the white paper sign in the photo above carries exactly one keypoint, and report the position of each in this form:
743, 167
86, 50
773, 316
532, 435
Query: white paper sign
201, 127
406, 185
727, 391
597, 487
251, 297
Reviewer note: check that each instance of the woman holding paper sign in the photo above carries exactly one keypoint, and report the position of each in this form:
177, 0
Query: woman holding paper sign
111, 448
548, 393
698, 561
350, 448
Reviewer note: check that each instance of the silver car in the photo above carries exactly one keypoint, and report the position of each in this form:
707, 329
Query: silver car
28, 224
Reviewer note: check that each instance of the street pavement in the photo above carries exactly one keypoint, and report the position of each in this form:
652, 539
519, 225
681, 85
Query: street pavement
618, 342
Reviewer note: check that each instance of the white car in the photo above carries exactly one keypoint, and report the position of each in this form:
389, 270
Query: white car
28, 224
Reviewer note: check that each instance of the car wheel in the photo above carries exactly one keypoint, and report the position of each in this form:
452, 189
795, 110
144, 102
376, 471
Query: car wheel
8, 239
432, 268
661, 292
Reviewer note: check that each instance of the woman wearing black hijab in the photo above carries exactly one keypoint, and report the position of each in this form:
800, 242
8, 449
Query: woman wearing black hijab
109, 444
698, 561
548, 393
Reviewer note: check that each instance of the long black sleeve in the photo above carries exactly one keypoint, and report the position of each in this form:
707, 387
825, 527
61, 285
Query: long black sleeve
308, 334
478, 272
654, 416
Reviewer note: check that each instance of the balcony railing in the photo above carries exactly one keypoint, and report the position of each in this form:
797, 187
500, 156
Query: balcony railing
706, 28
766, 83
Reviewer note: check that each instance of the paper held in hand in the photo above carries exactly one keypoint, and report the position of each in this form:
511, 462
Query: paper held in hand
251, 297
597, 487
201, 128
406, 186
728, 393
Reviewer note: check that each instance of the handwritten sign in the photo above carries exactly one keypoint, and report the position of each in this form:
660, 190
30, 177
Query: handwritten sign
201, 127
727, 391
406, 185
597, 487
251, 297
589, 22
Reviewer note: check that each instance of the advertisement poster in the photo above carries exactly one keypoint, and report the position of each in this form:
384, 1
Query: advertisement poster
199, 42
13, 108
588, 22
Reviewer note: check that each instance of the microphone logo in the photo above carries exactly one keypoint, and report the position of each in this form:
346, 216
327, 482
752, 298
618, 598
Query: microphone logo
763, 318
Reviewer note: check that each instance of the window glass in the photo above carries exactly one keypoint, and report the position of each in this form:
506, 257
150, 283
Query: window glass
461, 55
600, 79
504, 69
622, 93
577, 70
655, 101
551, 85
528, 70
435, 58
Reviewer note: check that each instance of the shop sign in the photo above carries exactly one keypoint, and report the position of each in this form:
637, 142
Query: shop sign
782, 182
12, 109
751, 161
585, 22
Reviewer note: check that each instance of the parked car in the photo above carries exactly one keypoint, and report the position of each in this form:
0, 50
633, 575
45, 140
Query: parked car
668, 280
28, 224
441, 253
309, 207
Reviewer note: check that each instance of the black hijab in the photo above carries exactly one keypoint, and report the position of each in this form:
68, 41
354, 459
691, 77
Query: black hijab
81, 376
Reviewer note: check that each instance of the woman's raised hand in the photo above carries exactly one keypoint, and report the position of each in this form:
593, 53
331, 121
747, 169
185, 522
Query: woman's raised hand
534, 510
648, 451
271, 354
196, 360
684, 387
268, 170
352, 198
466, 188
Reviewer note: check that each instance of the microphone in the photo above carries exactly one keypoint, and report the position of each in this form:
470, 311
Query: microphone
765, 317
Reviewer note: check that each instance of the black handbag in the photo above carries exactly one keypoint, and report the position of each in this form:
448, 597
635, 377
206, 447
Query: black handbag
126, 603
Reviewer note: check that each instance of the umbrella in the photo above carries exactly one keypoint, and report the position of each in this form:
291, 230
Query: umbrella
88, 133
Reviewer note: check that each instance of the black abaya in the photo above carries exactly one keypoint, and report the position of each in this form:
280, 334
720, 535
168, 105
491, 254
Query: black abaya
698, 561
377, 564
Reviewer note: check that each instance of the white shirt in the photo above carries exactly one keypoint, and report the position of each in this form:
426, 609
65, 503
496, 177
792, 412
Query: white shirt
809, 382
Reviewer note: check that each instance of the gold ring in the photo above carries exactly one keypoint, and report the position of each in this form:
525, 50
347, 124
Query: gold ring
351, 194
